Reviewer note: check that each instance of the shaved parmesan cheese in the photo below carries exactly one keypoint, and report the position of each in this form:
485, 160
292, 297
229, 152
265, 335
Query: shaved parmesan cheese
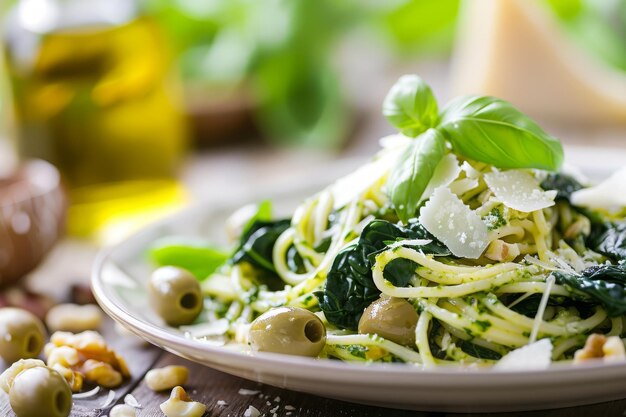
454, 224
447, 170
535, 356
460, 187
609, 194
470, 171
519, 190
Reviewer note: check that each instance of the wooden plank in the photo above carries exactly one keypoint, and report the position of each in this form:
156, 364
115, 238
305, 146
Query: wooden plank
209, 386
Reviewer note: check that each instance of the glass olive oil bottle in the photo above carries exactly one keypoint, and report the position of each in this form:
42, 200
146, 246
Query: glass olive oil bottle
93, 93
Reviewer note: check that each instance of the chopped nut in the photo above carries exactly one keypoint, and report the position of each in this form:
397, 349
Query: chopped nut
166, 378
7, 377
582, 226
101, 373
73, 378
180, 405
87, 355
122, 410
613, 349
74, 317
499, 250
599, 346
61, 355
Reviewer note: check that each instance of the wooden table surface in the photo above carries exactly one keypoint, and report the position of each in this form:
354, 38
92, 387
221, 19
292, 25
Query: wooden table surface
210, 386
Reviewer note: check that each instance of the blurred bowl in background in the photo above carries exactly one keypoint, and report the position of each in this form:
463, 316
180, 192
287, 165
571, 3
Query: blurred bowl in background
32, 217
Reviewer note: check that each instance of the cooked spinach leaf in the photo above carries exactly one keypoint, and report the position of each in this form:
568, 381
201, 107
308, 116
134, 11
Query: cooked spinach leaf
603, 284
564, 184
609, 239
477, 351
349, 285
257, 243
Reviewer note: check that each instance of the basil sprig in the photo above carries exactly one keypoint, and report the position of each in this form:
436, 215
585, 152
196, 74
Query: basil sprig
491, 130
482, 128
414, 169
411, 106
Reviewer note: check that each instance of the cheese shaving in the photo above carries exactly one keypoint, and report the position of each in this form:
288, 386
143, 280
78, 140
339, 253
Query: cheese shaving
519, 190
609, 194
535, 356
455, 224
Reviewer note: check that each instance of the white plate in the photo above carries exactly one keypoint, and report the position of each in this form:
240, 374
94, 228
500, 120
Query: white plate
119, 284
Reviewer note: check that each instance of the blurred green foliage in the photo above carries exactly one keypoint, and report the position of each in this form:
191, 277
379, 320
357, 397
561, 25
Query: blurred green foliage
282, 50
599, 26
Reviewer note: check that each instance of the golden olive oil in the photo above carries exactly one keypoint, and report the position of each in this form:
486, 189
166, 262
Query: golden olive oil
99, 102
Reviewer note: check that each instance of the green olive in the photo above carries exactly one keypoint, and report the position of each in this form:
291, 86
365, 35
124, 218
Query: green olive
289, 330
392, 318
175, 295
40, 392
21, 334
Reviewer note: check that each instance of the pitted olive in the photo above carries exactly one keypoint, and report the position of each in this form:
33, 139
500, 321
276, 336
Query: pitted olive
392, 318
288, 330
40, 392
21, 334
175, 295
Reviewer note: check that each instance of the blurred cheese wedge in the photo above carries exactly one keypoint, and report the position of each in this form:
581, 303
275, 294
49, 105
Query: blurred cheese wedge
610, 194
515, 50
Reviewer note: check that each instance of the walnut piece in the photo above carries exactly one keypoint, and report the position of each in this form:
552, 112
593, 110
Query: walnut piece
180, 405
598, 346
85, 356
160, 379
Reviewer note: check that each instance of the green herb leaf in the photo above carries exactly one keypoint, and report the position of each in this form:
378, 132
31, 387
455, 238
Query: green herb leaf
414, 169
410, 106
491, 130
199, 258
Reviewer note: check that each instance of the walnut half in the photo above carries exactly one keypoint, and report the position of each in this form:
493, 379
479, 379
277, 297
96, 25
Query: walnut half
598, 346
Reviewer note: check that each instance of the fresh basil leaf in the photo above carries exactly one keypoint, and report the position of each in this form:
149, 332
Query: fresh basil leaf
491, 130
257, 244
564, 184
350, 287
603, 284
411, 106
197, 257
609, 239
413, 171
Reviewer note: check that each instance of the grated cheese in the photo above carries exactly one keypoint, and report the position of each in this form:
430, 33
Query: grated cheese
519, 190
243, 391
455, 224
251, 412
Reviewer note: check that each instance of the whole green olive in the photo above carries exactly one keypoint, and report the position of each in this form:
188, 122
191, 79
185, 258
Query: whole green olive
40, 392
289, 330
21, 334
175, 295
392, 318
